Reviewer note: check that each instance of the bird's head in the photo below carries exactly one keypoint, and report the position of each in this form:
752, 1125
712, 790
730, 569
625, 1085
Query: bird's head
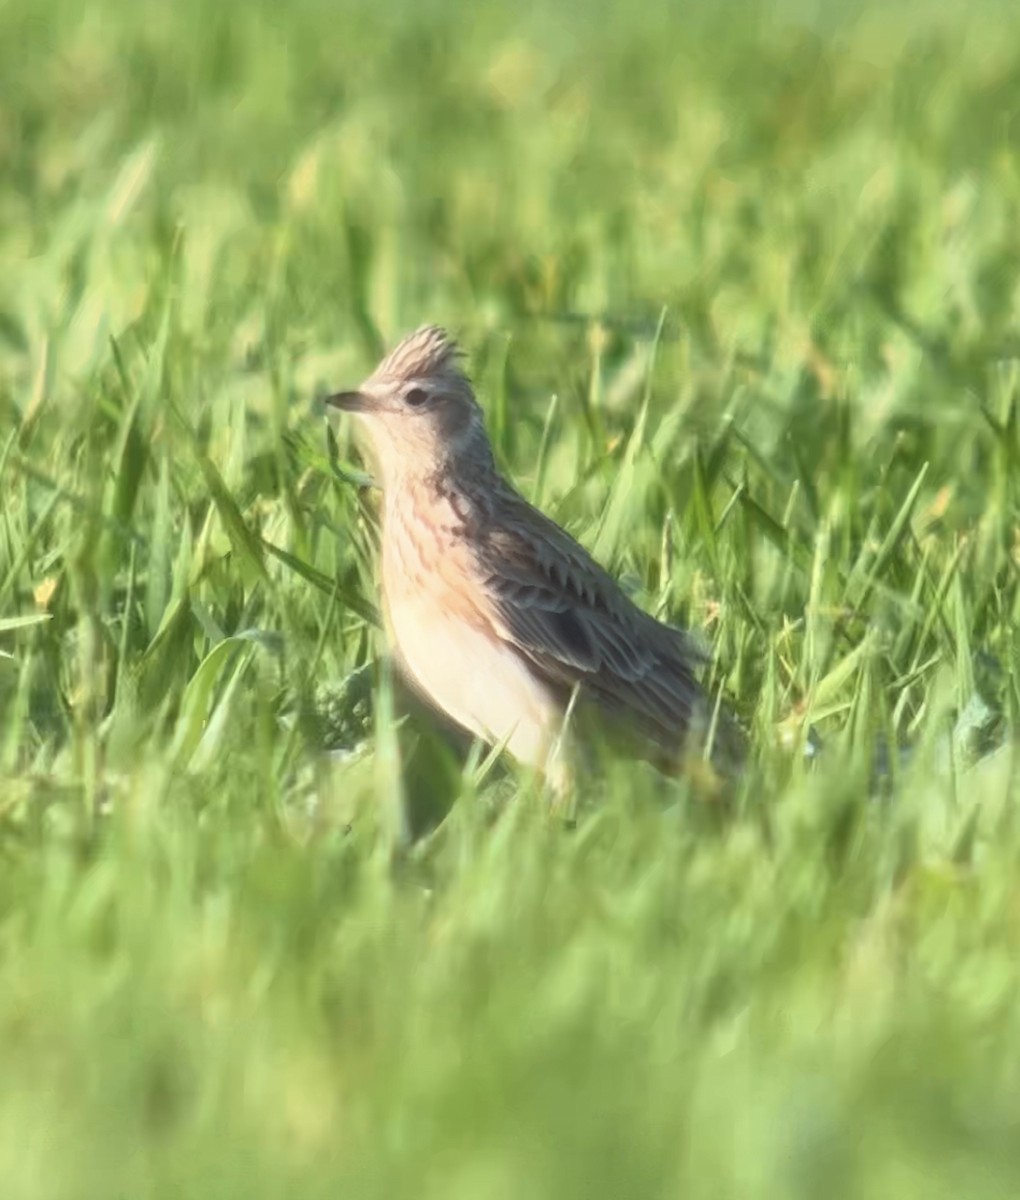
419, 410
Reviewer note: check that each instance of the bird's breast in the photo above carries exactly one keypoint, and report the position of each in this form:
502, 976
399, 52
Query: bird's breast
436, 614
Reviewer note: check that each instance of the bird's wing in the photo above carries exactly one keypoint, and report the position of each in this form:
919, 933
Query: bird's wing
575, 626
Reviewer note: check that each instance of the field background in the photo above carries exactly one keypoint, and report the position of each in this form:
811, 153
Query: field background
739, 285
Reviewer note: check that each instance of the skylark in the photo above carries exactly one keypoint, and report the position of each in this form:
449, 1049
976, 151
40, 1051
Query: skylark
495, 615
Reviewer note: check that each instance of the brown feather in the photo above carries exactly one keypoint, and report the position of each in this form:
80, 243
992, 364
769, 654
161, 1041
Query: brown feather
569, 618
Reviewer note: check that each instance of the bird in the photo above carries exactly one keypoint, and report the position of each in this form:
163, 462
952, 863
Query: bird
495, 615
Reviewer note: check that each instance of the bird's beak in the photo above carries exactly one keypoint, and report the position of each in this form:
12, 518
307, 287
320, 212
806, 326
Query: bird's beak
352, 402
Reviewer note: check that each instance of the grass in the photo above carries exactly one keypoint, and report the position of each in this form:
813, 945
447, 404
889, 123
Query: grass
740, 295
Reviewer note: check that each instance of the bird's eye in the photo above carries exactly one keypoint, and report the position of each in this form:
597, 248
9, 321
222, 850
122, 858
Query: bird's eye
416, 397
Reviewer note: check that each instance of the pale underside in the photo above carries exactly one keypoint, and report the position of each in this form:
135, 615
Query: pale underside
479, 683
446, 648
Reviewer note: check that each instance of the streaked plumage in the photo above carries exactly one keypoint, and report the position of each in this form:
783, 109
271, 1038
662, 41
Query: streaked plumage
497, 615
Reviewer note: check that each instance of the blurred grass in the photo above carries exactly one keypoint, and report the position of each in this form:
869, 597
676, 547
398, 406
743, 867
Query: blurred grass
212, 979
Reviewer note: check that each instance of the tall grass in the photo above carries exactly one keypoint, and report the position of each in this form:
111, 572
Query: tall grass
740, 293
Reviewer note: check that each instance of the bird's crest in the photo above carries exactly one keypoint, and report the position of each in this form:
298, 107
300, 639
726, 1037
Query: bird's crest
428, 351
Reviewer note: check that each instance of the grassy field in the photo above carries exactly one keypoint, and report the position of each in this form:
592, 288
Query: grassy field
740, 292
